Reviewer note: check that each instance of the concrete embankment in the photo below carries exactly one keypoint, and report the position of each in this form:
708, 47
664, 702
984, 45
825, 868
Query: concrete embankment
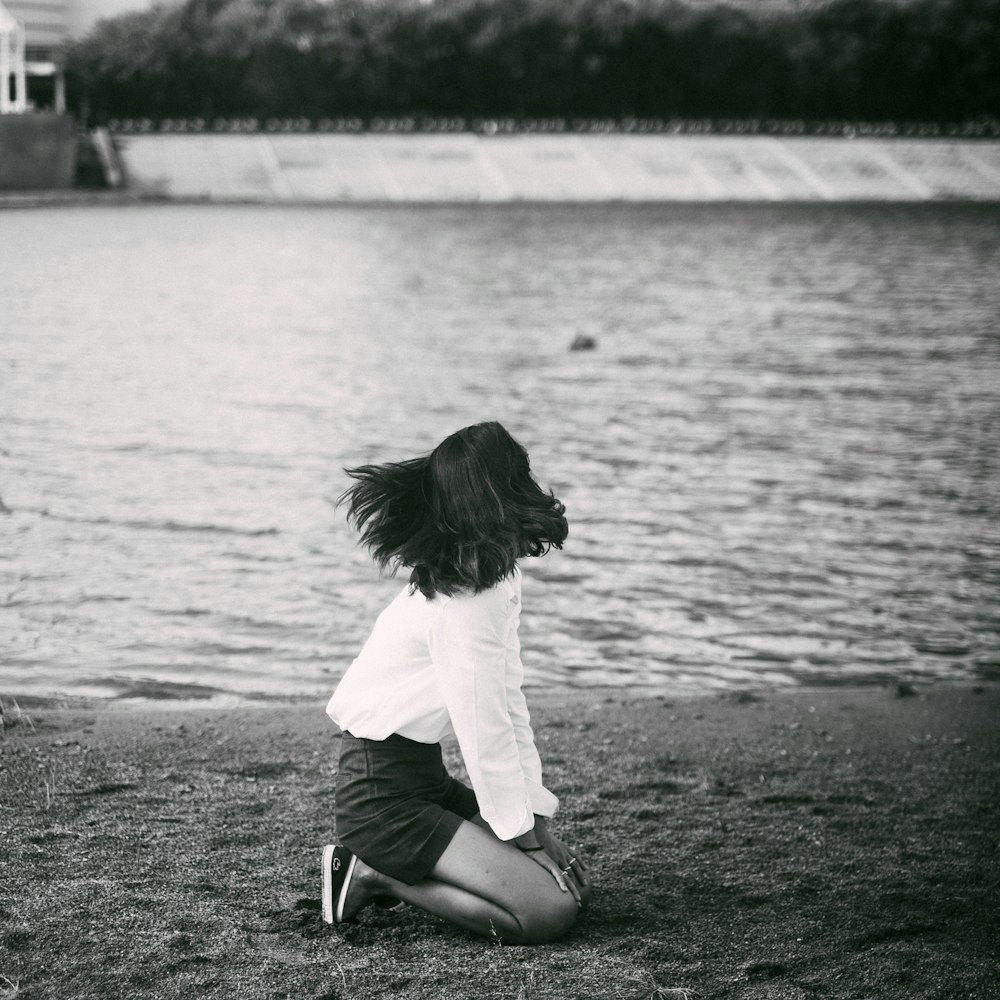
325, 168
37, 152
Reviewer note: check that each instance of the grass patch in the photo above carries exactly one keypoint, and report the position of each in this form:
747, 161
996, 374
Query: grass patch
143, 860
12, 717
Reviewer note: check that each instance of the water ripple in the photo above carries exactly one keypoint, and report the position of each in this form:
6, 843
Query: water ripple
779, 462
213, 529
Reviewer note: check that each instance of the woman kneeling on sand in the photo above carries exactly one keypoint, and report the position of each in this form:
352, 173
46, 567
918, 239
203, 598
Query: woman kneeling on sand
443, 658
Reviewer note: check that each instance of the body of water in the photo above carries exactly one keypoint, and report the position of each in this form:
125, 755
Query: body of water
780, 462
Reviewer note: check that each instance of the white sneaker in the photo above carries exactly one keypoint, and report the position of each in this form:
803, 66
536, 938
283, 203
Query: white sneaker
338, 867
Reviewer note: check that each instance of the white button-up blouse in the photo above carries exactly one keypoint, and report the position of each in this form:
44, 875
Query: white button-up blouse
453, 665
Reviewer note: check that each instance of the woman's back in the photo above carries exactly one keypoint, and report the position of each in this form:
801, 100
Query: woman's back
396, 685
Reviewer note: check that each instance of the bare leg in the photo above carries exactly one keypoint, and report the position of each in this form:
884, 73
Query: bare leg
483, 885
481, 823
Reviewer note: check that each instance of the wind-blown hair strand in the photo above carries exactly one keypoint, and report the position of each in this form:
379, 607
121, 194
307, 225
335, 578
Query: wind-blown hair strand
460, 517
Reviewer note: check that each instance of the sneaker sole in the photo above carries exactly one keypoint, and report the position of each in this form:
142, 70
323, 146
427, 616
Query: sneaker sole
328, 884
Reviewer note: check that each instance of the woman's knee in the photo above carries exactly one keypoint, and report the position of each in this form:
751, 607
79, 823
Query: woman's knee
544, 924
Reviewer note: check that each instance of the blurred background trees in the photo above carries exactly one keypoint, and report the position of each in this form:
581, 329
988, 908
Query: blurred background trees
864, 60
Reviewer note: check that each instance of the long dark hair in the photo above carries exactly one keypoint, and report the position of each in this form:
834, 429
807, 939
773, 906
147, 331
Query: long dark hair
460, 517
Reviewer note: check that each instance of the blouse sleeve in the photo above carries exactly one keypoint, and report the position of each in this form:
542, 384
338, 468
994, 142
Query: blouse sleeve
543, 802
468, 647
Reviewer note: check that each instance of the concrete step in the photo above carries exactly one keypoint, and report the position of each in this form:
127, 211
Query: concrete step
475, 168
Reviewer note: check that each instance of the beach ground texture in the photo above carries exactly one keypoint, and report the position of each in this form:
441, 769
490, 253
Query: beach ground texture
835, 843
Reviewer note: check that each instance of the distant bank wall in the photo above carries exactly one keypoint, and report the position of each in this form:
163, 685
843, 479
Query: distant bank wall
37, 152
475, 168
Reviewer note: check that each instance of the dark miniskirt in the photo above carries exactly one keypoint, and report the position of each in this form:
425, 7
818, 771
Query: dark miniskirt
396, 806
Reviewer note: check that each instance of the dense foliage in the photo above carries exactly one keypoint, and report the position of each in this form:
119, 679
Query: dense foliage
866, 60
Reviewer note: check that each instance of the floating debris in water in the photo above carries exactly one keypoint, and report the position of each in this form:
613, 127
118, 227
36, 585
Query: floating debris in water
583, 342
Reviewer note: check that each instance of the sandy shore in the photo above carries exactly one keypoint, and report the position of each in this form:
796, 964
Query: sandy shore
815, 843
74, 197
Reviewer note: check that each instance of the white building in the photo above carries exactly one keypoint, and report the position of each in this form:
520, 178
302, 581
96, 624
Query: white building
13, 91
48, 25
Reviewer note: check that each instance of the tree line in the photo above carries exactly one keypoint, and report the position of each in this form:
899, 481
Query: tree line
859, 60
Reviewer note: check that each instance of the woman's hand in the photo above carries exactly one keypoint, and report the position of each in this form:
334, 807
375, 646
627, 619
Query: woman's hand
565, 866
